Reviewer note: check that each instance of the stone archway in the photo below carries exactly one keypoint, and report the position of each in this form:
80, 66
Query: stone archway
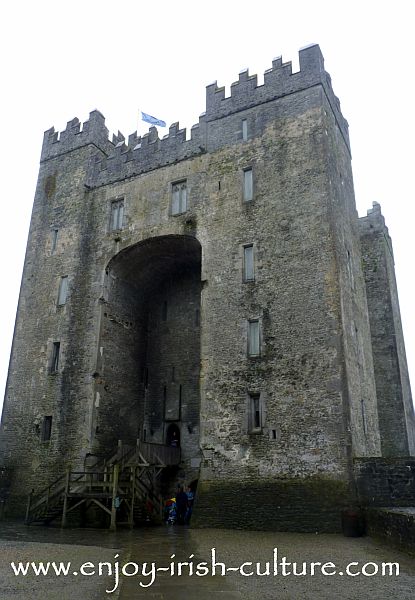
149, 359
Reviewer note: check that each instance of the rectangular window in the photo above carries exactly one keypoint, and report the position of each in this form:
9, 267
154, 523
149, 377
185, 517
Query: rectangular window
46, 429
179, 197
63, 291
164, 311
55, 233
248, 185
244, 130
255, 413
117, 215
54, 363
248, 263
253, 338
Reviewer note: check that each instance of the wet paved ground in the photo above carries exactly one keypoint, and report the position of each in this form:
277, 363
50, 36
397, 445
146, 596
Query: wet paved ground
20, 543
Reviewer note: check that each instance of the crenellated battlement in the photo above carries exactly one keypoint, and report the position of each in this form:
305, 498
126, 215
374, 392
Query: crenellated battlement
93, 131
373, 220
279, 81
120, 158
147, 152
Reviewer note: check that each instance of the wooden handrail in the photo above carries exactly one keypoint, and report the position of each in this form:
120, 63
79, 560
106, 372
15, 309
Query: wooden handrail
156, 455
49, 486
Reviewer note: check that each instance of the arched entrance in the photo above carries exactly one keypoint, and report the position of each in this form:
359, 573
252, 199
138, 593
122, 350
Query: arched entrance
149, 360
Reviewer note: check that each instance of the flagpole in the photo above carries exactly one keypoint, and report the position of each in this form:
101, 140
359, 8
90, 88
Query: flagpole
139, 122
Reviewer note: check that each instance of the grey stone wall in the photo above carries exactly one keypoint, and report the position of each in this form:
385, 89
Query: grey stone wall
314, 371
385, 481
32, 390
393, 526
396, 412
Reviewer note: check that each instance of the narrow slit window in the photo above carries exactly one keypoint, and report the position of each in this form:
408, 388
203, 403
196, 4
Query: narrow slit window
117, 215
253, 338
248, 263
179, 198
248, 185
63, 291
255, 413
55, 233
164, 311
46, 429
244, 129
54, 364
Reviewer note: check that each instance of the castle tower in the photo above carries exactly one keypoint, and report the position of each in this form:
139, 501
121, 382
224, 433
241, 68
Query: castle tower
396, 413
208, 288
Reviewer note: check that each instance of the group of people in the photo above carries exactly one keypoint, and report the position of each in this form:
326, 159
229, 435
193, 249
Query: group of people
178, 509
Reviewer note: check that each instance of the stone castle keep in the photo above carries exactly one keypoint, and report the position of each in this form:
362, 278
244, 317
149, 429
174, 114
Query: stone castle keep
220, 290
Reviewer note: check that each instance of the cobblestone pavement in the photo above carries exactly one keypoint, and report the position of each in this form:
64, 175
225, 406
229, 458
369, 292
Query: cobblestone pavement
233, 548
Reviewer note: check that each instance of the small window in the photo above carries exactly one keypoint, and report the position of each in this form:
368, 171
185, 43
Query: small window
248, 185
54, 364
145, 377
117, 215
63, 291
179, 197
55, 233
164, 311
46, 429
255, 413
244, 129
253, 338
248, 263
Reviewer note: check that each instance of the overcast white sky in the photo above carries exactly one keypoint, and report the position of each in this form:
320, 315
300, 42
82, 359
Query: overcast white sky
62, 59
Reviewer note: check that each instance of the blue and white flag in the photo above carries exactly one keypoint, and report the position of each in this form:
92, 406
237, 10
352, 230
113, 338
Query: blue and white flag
149, 119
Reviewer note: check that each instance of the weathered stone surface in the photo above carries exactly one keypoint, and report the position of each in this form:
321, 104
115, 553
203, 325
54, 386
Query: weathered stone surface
396, 414
166, 291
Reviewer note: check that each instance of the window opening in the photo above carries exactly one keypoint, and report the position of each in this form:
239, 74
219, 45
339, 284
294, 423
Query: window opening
63, 291
248, 185
253, 338
179, 197
46, 429
244, 130
55, 357
117, 215
248, 263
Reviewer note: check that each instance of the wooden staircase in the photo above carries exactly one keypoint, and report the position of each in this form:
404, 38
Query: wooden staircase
125, 483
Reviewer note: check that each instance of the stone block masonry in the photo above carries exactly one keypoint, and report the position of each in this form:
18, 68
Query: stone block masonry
266, 369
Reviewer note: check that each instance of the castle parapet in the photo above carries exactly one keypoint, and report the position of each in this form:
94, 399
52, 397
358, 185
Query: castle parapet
279, 81
93, 131
119, 158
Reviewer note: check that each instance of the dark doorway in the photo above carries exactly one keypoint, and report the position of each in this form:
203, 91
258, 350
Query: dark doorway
173, 436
